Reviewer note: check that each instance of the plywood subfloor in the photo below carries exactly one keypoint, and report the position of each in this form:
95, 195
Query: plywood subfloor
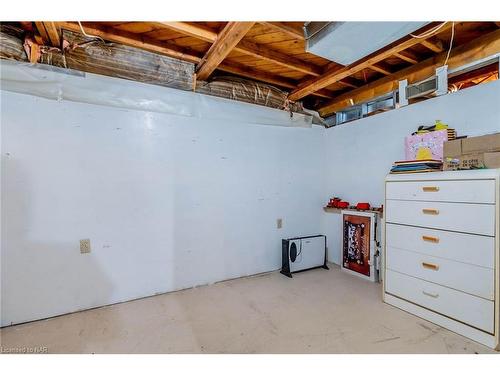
317, 311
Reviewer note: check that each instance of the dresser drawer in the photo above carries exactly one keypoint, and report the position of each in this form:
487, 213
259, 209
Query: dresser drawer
460, 217
467, 248
466, 191
461, 276
469, 309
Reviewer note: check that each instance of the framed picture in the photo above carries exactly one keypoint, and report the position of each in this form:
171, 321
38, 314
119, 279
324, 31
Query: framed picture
358, 244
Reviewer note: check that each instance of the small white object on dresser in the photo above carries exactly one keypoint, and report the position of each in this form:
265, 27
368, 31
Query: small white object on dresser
441, 250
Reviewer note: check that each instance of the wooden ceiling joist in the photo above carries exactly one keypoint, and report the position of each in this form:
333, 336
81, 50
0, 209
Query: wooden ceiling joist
348, 81
406, 56
478, 48
246, 47
381, 68
167, 49
335, 74
262, 52
255, 50
258, 75
41, 30
251, 73
227, 39
434, 45
133, 40
192, 29
272, 52
49, 32
284, 28
53, 32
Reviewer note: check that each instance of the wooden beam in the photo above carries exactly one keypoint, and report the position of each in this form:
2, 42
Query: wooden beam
477, 49
324, 93
334, 75
406, 56
245, 71
246, 47
434, 45
43, 33
134, 40
381, 68
34, 53
49, 32
53, 33
227, 39
265, 53
286, 29
163, 48
327, 94
348, 81
192, 29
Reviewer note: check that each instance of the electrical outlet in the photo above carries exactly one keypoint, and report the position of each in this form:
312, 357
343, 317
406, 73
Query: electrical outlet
85, 246
279, 223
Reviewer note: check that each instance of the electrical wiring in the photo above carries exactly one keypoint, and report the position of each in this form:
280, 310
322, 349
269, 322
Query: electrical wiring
429, 32
451, 42
88, 35
433, 31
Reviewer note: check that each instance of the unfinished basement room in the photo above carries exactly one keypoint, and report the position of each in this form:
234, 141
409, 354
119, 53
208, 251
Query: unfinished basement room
208, 180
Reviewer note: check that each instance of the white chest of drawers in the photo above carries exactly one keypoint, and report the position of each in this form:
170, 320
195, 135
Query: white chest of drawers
441, 252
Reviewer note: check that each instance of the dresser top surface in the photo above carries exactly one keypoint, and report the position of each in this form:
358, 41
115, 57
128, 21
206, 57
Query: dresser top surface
476, 174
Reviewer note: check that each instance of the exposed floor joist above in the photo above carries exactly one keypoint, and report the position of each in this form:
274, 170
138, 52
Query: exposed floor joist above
334, 75
290, 30
477, 49
272, 52
130, 39
49, 33
247, 47
226, 40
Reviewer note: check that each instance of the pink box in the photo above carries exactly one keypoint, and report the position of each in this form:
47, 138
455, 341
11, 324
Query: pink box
426, 145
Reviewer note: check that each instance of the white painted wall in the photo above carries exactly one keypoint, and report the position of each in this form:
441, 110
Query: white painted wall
172, 202
359, 154
168, 202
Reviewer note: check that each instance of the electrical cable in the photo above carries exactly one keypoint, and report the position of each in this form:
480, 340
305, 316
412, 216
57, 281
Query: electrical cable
451, 42
429, 32
88, 35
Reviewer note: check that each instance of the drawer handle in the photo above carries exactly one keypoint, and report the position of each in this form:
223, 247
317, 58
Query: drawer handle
430, 239
430, 188
430, 211
430, 266
433, 295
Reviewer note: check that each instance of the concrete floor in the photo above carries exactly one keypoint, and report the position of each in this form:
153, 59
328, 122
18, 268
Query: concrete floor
317, 311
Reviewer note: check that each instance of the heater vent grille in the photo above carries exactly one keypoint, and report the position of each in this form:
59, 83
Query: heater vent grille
349, 114
380, 104
422, 89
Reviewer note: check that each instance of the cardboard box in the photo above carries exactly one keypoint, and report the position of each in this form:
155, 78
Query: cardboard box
452, 148
472, 161
484, 143
491, 159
